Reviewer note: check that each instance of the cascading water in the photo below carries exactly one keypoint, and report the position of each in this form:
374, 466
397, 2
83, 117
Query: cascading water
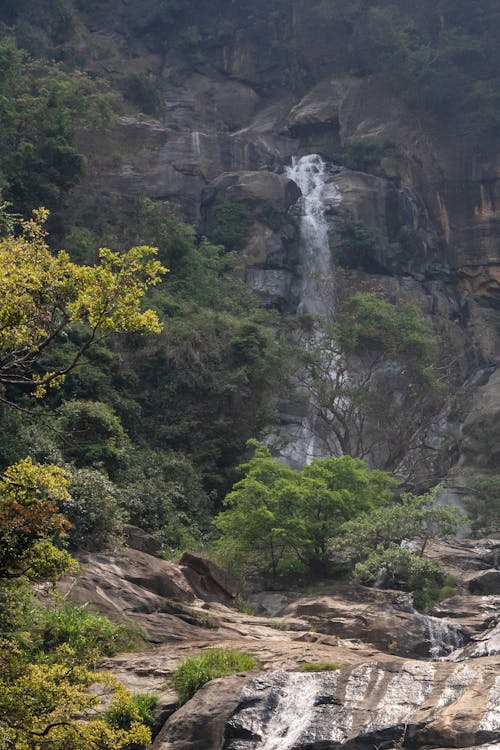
316, 296
443, 637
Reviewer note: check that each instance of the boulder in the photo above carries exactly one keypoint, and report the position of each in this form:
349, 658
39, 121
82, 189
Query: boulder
208, 580
140, 540
199, 724
484, 582
382, 618
257, 190
413, 704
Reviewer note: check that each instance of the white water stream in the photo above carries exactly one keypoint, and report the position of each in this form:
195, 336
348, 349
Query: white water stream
316, 295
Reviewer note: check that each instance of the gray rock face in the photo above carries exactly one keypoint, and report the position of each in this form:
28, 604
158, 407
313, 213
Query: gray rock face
485, 582
412, 704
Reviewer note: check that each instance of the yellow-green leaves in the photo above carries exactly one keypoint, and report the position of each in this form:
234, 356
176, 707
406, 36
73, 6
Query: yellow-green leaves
49, 706
44, 296
29, 519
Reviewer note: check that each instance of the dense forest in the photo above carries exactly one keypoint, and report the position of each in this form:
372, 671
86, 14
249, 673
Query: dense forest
140, 373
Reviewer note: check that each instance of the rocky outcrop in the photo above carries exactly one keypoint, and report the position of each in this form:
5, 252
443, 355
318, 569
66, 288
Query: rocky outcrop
408, 705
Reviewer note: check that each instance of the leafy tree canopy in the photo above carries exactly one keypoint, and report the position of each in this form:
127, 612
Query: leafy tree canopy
44, 296
276, 512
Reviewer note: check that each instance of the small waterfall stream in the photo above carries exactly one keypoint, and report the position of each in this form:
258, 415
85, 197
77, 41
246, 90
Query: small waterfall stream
316, 296
443, 637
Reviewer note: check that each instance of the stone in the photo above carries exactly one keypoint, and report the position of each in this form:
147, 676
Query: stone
484, 582
199, 724
208, 580
139, 539
411, 704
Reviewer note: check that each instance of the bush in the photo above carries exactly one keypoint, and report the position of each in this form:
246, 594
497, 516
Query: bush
405, 570
89, 635
145, 704
229, 225
196, 671
359, 248
93, 435
366, 154
93, 510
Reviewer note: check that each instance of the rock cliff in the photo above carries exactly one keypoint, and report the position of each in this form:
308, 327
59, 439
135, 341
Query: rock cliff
240, 89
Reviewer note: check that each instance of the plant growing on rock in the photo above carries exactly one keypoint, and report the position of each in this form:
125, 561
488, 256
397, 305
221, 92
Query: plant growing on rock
196, 671
374, 543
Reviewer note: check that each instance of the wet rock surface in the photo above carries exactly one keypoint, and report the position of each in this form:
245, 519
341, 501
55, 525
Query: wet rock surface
425, 682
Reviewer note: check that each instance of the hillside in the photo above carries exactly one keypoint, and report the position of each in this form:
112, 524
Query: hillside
293, 371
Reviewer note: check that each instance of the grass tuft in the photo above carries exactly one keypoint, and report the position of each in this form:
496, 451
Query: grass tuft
196, 671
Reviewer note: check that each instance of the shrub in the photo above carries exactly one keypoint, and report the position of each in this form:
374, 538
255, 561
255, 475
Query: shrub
403, 569
93, 510
196, 671
366, 154
229, 225
89, 635
145, 704
359, 248
93, 435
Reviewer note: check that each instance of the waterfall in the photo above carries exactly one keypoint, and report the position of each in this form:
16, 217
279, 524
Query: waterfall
293, 712
316, 293
302, 438
443, 638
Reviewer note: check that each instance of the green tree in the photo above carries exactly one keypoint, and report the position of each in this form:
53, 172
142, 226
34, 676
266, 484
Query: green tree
42, 108
370, 379
44, 296
374, 543
276, 513
93, 510
30, 519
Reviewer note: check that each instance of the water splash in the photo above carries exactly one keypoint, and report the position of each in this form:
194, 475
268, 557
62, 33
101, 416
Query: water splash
317, 289
293, 712
443, 637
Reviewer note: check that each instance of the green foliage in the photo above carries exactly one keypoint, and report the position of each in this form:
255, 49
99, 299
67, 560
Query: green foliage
368, 319
373, 541
144, 91
318, 666
50, 705
93, 435
196, 671
42, 108
145, 704
366, 154
275, 513
414, 516
93, 510
29, 518
484, 506
163, 494
45, 296
89, 635
403, 569
229, 225
359, 248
